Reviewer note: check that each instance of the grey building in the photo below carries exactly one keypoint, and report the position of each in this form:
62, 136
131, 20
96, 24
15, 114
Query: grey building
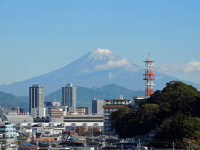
97, 106
69, 97
36, 101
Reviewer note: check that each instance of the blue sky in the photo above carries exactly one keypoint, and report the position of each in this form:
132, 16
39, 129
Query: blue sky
37, 37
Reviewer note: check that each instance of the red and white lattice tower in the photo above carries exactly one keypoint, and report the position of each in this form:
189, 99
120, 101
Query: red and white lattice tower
149, 77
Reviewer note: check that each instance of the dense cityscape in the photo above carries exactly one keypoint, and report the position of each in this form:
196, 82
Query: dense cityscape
63, 125
136, 123
99, 75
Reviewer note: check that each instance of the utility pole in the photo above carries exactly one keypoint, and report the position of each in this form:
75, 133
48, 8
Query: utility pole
92, 133
122, 144
173, 145
190, 145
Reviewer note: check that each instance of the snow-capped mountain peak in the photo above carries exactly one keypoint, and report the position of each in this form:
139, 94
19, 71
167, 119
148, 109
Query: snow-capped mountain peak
104, 59
94, 69
100, 54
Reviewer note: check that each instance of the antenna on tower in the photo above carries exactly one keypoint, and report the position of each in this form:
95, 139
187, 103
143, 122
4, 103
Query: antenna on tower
148, 56
149, 76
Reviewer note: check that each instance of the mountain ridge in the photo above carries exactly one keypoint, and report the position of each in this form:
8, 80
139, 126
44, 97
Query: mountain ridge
94, 69
85, 95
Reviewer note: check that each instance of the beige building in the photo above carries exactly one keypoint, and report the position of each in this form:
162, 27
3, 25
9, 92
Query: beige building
56, 112
80, 111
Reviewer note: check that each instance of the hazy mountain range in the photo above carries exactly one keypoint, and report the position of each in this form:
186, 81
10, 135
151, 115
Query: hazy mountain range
95, 69
8, 100
84, 96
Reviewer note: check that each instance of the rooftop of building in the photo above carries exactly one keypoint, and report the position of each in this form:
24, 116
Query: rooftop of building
117, 99
36, 85
138, 97
19, 118
52, 139
6, 123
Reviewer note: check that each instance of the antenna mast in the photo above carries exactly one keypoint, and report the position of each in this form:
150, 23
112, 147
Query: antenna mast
149, 76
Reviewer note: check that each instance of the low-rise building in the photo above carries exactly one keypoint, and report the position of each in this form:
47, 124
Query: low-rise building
84, 120
56, 112
7, 132
87, 110
80, 111
17, 119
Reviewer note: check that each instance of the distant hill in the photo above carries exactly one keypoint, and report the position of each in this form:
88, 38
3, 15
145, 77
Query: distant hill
8, 100
85, 95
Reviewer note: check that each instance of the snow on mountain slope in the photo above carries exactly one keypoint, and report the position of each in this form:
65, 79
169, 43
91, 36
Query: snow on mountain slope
95, 69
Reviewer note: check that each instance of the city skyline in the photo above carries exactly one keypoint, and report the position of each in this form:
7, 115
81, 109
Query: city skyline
38, 37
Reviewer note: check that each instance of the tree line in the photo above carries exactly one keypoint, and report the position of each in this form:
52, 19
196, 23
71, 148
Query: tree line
173, 112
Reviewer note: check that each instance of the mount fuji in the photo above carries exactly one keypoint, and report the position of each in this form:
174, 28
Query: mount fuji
95, 69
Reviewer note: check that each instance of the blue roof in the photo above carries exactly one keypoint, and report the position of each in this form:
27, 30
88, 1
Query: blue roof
27, 144
44, 142
74, 139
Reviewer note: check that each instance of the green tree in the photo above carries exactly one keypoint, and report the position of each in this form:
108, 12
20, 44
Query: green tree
178, 128
173, 111
120, 120
175, 97
128, 123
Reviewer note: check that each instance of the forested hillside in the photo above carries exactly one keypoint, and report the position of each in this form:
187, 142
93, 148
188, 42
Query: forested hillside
174, 112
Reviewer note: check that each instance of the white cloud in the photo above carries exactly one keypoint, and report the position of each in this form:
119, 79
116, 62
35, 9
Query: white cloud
116, 64
188, 68
191, 67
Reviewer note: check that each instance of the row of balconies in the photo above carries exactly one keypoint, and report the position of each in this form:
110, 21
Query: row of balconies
109, 111
107, 124
107, 117
118, 102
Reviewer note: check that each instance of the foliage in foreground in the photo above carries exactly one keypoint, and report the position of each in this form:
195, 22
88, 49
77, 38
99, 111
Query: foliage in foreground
174, 112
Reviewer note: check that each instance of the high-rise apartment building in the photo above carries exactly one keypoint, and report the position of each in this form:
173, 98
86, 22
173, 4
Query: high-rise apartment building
36, 101
97, 106
110, 106
69, 97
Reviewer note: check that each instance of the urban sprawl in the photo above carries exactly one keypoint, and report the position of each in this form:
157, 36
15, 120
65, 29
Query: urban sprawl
62, 125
